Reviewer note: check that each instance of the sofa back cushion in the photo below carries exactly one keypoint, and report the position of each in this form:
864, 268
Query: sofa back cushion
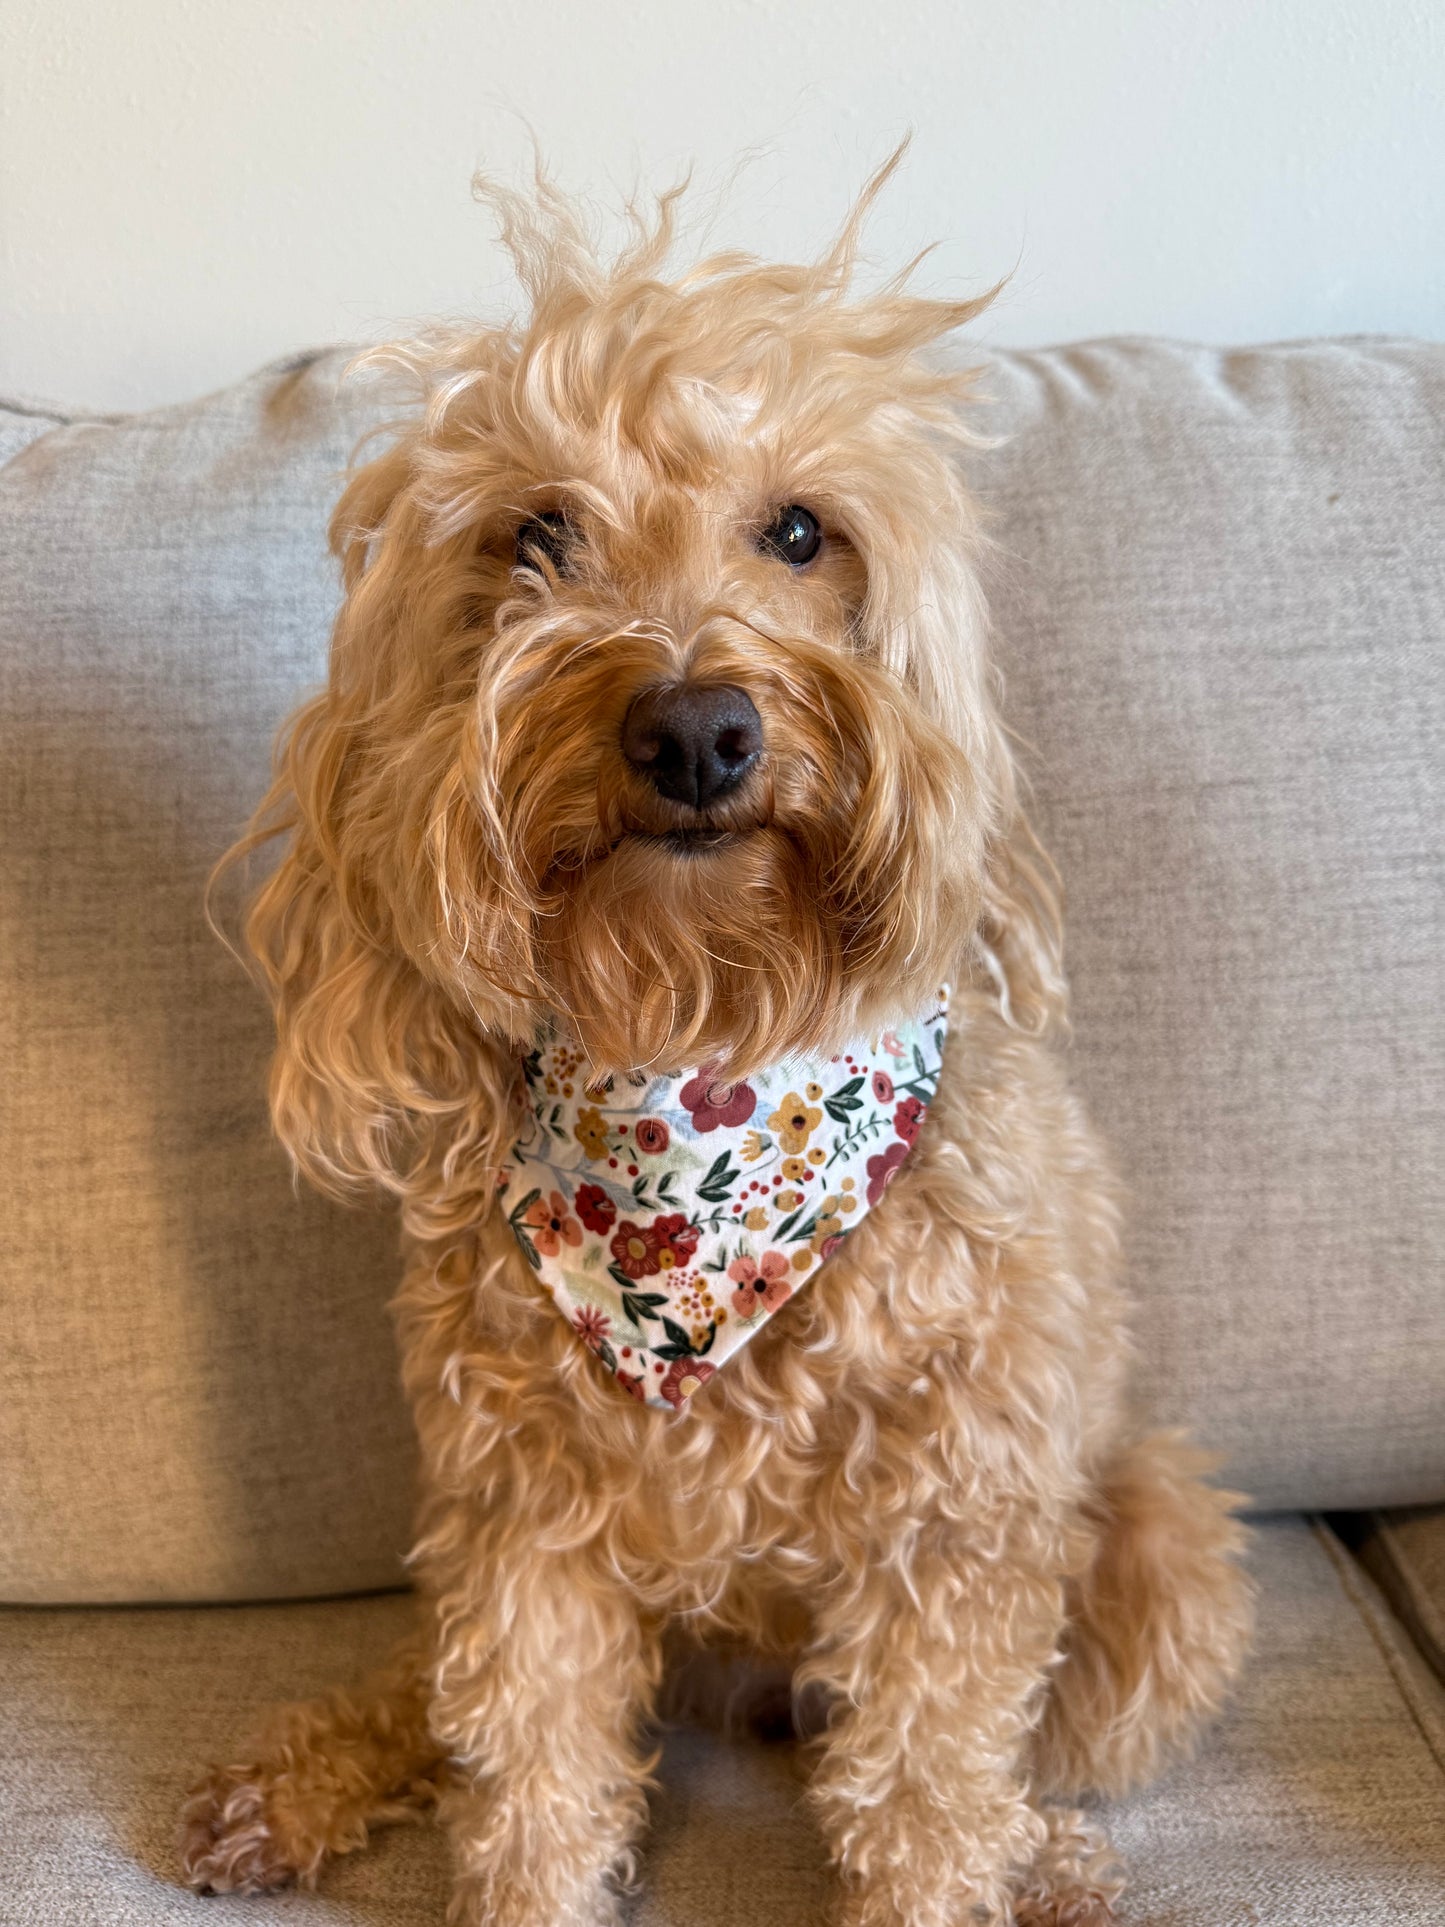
1220, 614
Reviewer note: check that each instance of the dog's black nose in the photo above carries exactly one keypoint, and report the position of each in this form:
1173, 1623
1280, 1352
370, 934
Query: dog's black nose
693, 742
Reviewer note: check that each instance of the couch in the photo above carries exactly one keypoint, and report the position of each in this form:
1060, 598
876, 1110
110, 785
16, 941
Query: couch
1219, 588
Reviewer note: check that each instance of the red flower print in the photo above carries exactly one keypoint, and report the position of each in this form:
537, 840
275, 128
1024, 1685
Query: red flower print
883, 1087
674, 1240
907, 1118
643, 1250
713, 1101
882, 1169
684, 1377
546, 1219
591, 1326
632, 1251
594, 1207
631, 1383
652, 1136
762, 1283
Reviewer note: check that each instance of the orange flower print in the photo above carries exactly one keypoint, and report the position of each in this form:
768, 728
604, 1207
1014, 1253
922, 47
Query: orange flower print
795, 1122
547, 1220
762, 1283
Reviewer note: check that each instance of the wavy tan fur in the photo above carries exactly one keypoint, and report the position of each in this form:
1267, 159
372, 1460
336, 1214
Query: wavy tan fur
918, 1490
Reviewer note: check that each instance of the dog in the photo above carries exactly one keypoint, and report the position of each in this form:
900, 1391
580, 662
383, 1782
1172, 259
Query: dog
659, 925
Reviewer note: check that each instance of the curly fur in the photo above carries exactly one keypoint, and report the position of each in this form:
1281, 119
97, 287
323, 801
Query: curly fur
917, 1490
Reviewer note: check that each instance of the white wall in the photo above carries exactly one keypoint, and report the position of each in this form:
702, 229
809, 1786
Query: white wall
189, 187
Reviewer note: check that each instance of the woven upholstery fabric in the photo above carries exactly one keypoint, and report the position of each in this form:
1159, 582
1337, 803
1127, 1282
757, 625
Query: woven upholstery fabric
1405, 1552
1220, 611
196, 1376
1319, 1802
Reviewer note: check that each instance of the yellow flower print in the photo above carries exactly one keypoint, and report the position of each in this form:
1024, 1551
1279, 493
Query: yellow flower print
795, 1169
795, 1122
826, 1228
788, 1200
590, 1132
754, 1144
813, 1092
756, 1219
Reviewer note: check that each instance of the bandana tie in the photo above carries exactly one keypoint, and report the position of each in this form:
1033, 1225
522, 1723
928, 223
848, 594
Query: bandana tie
670, 1217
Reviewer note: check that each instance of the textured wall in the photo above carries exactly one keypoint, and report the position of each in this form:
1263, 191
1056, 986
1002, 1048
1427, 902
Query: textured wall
189, 187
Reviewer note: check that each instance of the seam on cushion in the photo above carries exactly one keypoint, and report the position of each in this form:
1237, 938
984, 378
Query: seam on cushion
44, 411
1419, 1597
1349, 1577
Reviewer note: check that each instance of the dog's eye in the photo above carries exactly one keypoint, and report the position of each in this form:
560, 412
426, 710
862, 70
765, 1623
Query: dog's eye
545, 538
794, 535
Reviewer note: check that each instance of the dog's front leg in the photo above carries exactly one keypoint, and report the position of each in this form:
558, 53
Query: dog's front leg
545, 1676
936, 1670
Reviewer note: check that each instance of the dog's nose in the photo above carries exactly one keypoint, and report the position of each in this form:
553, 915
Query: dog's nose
693, 742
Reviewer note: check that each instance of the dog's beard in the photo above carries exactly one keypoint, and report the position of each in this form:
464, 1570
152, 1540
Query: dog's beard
666, 957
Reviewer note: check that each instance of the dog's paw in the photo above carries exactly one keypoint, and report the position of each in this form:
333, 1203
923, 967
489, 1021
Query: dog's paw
1077, 1877
1064, 1907
233, 1842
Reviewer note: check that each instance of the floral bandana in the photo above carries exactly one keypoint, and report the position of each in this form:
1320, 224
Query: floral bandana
670, 1217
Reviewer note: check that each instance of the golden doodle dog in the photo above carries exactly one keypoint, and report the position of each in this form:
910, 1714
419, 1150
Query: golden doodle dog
656, 789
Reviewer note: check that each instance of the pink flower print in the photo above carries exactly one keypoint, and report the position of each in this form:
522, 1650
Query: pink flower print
883, 1169
591, 1326
907, 1118
762, 1283
652, 1136
547, 1220
883, 1087
713, 1102
684, 1377
631, 1383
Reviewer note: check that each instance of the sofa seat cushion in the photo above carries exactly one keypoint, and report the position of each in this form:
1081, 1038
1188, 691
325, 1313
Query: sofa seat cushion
1319, 1801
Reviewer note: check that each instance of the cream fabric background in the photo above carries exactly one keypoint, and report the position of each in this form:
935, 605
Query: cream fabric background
188, 187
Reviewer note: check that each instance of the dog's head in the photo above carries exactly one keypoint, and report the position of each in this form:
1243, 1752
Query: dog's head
658, 702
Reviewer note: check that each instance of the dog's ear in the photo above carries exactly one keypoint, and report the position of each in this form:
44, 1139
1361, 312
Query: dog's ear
379, 1078
1019, 937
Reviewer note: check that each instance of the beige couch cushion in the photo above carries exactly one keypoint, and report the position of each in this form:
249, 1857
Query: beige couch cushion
196, 1376
1221, 616
1221, 613
1319, 1802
